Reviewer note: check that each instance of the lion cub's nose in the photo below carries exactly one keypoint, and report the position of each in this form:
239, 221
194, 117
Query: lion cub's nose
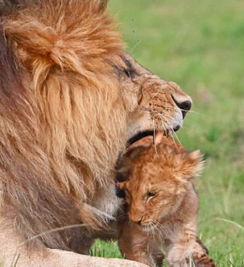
135, 218
138, 221
184, 103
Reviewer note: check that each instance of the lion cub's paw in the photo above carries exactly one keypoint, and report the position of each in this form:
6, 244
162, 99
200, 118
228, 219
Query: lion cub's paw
177, 257
204, 261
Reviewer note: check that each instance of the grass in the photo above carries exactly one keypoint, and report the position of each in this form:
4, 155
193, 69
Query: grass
199, 44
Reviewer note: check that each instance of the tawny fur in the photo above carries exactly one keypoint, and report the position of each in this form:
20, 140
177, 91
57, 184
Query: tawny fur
70, 98
162, 204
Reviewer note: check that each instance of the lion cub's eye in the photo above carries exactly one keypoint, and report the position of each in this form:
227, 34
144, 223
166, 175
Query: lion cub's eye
150, 194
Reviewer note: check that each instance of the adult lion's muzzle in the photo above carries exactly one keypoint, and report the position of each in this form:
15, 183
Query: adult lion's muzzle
154, 104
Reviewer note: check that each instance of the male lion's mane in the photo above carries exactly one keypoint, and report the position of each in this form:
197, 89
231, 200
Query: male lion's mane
59, 110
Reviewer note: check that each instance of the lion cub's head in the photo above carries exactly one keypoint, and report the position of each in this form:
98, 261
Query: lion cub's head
155, 178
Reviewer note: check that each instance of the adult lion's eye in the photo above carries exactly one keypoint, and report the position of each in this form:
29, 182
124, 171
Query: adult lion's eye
127, 72
150, 194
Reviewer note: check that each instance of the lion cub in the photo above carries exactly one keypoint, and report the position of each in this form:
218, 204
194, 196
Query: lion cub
162, 204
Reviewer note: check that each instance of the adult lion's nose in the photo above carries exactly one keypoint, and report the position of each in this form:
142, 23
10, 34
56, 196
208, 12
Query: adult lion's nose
183, 102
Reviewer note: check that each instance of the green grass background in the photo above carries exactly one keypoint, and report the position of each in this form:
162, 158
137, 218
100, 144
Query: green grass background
200, 45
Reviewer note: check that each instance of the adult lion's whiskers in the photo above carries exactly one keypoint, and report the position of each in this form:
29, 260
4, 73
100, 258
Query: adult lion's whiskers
176, 109
176, 136
190, 111
170, 108
163, 124
154, 135
164, 120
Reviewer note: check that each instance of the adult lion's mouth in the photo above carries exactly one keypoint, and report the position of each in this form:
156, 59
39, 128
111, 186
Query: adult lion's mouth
139, 136
152, 133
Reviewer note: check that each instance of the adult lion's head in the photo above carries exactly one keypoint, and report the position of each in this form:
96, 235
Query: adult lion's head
70, 99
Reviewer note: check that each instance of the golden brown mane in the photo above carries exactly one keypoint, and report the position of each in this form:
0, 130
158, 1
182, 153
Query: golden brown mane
67, 56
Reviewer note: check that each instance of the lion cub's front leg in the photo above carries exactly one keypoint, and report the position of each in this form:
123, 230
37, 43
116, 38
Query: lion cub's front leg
188, 249
136, 245
182, 246
201, 257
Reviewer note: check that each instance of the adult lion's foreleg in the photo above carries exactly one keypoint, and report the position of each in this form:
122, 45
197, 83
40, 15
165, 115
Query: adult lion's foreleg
13, 252
59, 258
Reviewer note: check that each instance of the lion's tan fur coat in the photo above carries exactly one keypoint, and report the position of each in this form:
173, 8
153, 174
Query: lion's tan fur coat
70, 98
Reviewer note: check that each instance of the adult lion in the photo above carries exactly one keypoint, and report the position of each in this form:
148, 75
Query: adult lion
70, 98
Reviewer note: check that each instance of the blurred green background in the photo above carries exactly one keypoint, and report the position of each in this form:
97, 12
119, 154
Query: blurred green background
200, 45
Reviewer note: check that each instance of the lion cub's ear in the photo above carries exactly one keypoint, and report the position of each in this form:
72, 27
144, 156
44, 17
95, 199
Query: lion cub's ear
123, 173
192, 165
195, 155
125, 164
134, 153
